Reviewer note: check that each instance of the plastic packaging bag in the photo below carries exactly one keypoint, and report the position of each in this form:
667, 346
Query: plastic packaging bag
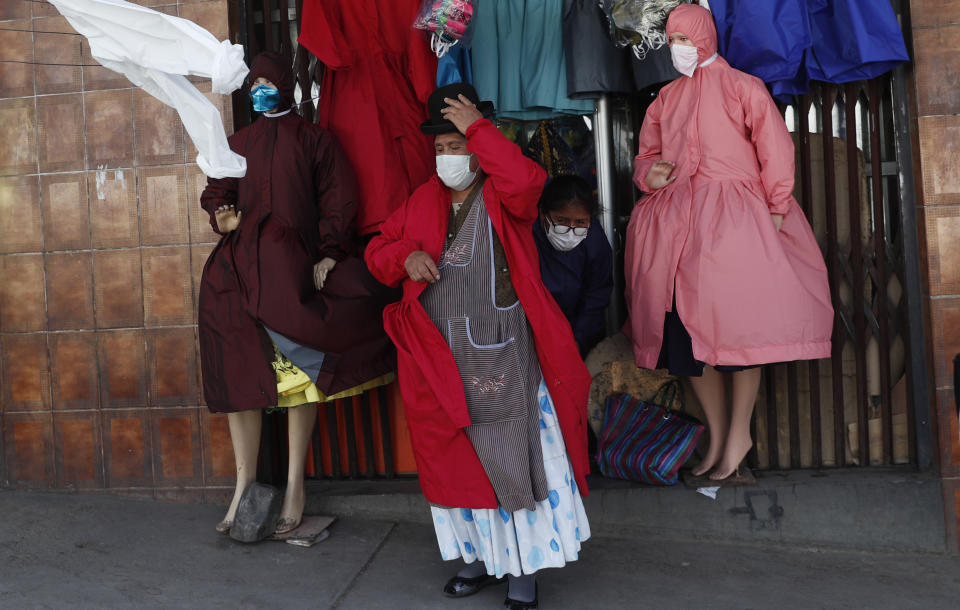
448, 20
639, 23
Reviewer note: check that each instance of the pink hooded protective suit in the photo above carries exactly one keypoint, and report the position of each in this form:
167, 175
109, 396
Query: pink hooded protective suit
746, 293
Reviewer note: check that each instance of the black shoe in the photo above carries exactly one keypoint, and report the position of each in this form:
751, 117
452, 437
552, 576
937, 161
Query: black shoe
512, 604
458, 586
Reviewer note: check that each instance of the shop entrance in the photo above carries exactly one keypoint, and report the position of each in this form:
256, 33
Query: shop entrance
868, 405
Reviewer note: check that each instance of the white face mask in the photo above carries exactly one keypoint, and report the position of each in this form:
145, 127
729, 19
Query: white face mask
455, 172
685, 58
563, 241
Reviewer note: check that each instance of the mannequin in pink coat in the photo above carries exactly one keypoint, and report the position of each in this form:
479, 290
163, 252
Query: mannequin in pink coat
723, 271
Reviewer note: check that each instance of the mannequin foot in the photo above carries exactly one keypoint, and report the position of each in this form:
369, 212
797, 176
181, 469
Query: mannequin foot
732, 457
292, 512
224, 526
710, 460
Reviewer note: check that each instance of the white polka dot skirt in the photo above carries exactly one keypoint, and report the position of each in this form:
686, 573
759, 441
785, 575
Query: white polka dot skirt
523, 541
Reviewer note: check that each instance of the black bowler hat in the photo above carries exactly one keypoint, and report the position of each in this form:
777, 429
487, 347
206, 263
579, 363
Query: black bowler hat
437, 124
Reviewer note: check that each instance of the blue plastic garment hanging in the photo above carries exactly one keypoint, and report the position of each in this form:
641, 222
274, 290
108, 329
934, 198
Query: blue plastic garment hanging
787, 43
454, 67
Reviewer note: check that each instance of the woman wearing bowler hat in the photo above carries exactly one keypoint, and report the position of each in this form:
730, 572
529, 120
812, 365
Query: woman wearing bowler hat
491, 378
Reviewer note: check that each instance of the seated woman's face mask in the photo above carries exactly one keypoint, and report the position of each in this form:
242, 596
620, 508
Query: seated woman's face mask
454, 171
264, 98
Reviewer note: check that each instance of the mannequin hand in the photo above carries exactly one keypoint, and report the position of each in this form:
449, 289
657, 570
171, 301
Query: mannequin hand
659, 175
320, 271
227, 218
461, 112
421, 268
777, 220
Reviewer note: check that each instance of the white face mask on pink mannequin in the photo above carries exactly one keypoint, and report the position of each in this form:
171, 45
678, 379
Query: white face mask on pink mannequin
685, 58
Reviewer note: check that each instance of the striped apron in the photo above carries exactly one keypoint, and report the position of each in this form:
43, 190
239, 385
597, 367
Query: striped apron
495, 354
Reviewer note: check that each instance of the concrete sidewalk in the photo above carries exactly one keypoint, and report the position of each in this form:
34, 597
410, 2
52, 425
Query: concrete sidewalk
89, 551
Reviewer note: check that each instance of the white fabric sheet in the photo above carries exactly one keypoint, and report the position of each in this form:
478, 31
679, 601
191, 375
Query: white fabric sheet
156, 52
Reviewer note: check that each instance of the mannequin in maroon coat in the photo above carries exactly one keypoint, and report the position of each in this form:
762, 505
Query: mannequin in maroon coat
288, 265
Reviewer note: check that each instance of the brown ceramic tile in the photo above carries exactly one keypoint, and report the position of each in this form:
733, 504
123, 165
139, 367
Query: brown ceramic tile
60, 119
945, 318
117, 288
18, 146
159, 131
200, 229
167, 294
176, 447
218, 496
199, 253
73, 366
172, 366
14, 10
934, 13
22, 301
127, 448
113, 208
212, 16
123, 368
951, 509
935, 50
943, 249
26, 373
949, 431
218, 462
21, 229
44, 9
66, 214
70, 291
939, 150
78, 460
109, 123
163, 206
16, 80
96, 77
28, 439
159, 5
62, 46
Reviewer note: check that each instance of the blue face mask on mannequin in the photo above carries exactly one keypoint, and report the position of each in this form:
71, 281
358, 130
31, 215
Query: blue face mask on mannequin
264, 98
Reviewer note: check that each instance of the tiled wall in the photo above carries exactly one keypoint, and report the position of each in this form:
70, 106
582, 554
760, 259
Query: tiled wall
102, 242
936, 45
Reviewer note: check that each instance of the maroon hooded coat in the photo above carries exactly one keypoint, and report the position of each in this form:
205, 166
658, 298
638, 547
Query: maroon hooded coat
298, 203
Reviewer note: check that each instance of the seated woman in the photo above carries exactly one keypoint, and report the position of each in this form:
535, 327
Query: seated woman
576, 260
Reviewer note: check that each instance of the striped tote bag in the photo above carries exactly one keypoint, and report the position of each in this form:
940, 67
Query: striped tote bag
644, 441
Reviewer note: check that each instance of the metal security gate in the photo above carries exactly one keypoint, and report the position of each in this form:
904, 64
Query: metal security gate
856, 407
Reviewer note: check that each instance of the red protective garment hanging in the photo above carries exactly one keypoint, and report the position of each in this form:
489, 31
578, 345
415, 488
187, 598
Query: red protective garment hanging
380, 71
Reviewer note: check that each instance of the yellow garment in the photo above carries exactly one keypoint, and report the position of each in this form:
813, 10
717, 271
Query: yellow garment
294, 387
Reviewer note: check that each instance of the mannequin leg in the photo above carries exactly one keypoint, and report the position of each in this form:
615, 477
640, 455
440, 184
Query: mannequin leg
300, 422
245, 435
746, 384
709, 391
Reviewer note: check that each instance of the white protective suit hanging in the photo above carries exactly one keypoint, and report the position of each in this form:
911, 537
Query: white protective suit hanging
156, 52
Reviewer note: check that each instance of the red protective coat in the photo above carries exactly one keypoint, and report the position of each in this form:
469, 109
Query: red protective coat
298, 201
433, 395
380, 72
